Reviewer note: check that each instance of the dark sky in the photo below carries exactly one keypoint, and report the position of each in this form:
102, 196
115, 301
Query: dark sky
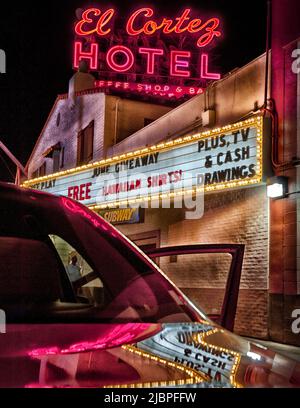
37, 38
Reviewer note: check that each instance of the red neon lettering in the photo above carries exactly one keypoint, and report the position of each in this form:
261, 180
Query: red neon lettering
168, 90
194, 26
176, 63
204, 69
91, 56
86, 19
102, 22
151, 53
166, 23
181, 20
148, 12
150, 27
119, 49
207, 38
89, 24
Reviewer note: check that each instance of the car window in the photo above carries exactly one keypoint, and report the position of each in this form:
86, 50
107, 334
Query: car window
86, 283
116, 281
30, 277
202, 277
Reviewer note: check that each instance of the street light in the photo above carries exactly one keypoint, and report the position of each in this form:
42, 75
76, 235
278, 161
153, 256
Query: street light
277, 187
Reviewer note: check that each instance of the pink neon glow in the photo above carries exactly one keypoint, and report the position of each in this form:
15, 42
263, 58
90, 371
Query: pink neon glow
91, 56
166, 90
86, 19
178, 60
148, 12
144, 22
140, 23
119, 49
204, 69
72, 206
151, 53
211, 32
119, 335
177, 63
169, 26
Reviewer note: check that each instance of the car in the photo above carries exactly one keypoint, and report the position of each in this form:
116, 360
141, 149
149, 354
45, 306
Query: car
121, 322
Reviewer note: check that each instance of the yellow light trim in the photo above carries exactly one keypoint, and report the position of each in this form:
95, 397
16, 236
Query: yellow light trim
194, 376
257, 121
200, 338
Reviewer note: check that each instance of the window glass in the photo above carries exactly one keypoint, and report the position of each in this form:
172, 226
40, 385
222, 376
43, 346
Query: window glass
86, 283
108, 272
85, 143
202, 277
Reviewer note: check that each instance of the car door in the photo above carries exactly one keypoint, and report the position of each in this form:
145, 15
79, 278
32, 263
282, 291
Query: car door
227, 313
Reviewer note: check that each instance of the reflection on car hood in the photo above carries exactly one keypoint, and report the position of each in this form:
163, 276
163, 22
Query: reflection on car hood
221, 356
183, 354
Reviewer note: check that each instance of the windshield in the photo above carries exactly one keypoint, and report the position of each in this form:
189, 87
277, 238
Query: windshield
118, 282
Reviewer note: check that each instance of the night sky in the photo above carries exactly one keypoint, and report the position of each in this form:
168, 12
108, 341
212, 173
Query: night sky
37, 38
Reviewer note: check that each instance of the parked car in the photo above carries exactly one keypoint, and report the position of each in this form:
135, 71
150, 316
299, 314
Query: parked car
121, 322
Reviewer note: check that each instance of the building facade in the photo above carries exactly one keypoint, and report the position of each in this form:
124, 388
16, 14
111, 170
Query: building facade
87, 129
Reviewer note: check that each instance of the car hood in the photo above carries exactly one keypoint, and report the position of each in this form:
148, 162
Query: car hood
141, 355
224, 358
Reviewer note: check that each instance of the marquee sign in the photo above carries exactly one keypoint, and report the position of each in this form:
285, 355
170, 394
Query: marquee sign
190, 345
219, 159
146, 45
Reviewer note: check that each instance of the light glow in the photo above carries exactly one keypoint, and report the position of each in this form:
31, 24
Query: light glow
91, 56
151, 53
144, 22
275, 190
166, 90
115, 66
165, 146
204, 69
253, 356
139, 23
177, 63
86, 19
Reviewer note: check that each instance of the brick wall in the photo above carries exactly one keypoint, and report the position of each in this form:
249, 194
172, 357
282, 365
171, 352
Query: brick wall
67, 118
70, 115
239, 216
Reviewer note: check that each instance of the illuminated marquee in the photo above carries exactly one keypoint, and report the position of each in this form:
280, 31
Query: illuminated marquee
96, 25
223, 158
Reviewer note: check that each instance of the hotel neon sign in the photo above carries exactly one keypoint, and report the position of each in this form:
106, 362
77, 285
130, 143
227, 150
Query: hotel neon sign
152, 89
121, 59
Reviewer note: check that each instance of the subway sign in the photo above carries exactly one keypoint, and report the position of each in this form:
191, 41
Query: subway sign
223, 158
122, 215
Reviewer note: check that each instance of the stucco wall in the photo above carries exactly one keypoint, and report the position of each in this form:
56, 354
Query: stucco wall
232, 98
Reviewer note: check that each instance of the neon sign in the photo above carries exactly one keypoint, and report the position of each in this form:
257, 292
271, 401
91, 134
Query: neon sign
146, 45
149, 27
170, 91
